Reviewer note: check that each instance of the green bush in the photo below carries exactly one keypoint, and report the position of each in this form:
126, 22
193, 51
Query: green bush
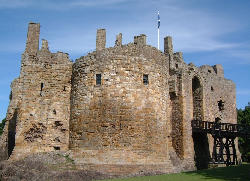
2, 126
244, 142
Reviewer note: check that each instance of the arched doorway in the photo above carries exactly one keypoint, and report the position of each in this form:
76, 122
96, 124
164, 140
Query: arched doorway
200, 140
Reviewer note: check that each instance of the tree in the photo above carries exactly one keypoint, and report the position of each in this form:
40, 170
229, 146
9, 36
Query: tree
2, 126
244, 143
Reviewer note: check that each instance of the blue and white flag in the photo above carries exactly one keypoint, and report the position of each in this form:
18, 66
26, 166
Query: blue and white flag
159, 21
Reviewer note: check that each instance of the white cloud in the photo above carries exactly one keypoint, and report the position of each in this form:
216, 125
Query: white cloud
15, 3
193, 30
56, 4
91, 3
243, 55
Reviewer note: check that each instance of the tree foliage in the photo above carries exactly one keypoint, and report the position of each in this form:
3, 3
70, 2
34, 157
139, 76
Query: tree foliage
2, 126
244, 143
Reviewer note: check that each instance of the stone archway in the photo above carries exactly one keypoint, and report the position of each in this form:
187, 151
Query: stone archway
200, 140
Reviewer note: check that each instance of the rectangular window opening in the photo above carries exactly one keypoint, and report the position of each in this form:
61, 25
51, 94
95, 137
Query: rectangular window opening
57, 148
98, 79
145, 79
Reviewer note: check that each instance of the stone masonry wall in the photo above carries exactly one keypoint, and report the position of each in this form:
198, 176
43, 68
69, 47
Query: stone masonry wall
121, 114
43, 123
214, 90
11, 118
177, 115
43, 110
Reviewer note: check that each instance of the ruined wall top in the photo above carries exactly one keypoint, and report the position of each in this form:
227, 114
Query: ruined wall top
32, 43
140, 40
32, 54
137, 48
118, 41
168, 46
100, 39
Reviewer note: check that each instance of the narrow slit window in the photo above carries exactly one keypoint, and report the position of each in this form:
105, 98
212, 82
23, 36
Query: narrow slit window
41, 87
41, 90
98, 79
145, 79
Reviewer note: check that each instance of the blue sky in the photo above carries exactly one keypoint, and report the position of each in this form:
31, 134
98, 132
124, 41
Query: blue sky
206, 31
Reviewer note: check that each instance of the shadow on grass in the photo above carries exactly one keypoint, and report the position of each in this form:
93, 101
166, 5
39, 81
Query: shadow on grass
232, 173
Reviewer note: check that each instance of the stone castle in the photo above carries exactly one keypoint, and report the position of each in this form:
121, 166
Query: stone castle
124, 105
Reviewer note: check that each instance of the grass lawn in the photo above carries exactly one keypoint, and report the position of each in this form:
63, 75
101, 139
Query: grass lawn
232, 173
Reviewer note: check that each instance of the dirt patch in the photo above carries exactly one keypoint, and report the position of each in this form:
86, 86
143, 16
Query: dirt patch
46, 166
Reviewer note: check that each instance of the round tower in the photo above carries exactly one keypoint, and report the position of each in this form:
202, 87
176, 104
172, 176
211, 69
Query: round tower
119, 102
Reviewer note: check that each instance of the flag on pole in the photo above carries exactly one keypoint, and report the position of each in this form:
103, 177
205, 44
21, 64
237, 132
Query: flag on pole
159, 21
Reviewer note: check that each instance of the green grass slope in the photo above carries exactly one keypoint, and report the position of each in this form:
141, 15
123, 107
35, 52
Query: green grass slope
241, 173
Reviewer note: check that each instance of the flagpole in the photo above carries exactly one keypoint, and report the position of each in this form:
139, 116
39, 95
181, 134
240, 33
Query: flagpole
158, 38
158, 24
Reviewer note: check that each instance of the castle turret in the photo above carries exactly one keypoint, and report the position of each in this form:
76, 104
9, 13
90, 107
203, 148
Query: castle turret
100, 39
32, 43
140, 40
168, 46
45, 45
118, 41
219, 70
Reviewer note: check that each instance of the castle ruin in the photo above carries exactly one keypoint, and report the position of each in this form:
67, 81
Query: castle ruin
124, 105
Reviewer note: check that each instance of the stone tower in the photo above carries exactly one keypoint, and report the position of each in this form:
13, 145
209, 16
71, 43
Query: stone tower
119, 103
39, 110
32, 42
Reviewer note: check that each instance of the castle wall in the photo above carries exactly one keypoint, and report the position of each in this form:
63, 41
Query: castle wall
6, 144
43, 109
122, 114
215, 99
182, 106
220, 99
220, 96
177, 114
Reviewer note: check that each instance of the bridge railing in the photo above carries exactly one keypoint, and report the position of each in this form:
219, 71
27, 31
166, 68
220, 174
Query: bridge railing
214, 126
